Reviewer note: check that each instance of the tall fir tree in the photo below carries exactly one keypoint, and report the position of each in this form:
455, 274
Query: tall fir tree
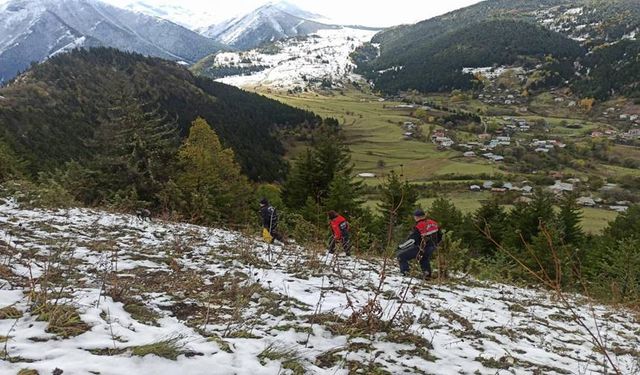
569, 219
322, 178
489, 222
135, 150
398, 200
210, 180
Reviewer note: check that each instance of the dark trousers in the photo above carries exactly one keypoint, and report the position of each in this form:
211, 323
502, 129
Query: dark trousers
415, 253
275, 235
345, 242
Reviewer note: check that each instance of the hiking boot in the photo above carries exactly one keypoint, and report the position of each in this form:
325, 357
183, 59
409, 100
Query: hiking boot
426, 276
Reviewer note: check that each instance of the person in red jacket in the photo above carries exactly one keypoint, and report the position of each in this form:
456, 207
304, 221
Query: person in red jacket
340, 231
420, 245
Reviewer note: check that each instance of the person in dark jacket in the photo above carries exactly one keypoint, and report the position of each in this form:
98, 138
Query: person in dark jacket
269, 217
421, 244
340, 230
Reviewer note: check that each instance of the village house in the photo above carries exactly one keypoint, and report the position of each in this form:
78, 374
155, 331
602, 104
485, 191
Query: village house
561, 187
620, 209
586, 202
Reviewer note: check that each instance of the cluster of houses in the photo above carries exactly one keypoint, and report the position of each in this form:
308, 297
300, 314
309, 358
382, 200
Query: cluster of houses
512, 125
627, 117
615, 135
558, 188
620, 206
493, 187
409, 130
441, 139
544, 146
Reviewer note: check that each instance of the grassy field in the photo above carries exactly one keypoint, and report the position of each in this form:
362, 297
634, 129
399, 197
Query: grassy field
375, 136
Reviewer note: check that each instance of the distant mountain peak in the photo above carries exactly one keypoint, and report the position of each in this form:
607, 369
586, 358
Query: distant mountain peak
267, 23
34, 30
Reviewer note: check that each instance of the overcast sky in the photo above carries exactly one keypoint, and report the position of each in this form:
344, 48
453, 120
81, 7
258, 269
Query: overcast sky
363, 12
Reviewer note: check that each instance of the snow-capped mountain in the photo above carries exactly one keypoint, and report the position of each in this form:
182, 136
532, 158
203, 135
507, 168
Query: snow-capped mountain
270, 22
168, 10
33, 30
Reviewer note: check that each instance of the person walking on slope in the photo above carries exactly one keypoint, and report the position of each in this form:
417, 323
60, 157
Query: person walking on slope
269, 217
420, 244
340, 230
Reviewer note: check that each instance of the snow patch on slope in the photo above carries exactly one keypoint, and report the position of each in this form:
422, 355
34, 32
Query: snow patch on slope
452, 328
300, 62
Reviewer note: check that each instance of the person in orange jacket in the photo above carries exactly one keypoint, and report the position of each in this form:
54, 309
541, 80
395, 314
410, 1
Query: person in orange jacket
340, 231
421, 244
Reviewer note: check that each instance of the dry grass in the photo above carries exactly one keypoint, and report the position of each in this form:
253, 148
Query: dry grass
10, 312
64, 320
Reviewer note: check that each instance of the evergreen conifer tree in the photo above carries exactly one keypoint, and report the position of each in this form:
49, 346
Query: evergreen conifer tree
212, 185
135, 151
569, 218
398, 202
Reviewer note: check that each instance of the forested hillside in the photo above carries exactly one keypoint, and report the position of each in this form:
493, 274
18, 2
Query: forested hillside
435, 64
410, 56
610, 70
54, 113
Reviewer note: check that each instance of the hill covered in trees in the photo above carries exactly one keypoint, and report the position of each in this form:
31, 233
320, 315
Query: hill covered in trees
428, 55
436, 63
57, 111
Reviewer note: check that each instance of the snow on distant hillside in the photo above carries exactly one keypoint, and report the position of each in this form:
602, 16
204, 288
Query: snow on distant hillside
34, 30
166, 298
268, 23
169, 10
298, 62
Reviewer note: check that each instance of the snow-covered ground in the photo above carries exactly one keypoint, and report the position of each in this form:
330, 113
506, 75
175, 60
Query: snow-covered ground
229, 305
300, 62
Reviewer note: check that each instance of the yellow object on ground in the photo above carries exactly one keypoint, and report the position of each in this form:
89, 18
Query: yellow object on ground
266, 235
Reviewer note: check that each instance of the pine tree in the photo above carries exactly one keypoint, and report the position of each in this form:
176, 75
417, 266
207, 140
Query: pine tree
525, 219
345, 195
210, 179
323, 175
10, 165
301, 180
398, 202
489, 220
448, 216
569, 218
135, 151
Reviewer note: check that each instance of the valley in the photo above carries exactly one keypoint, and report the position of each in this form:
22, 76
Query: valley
237, 187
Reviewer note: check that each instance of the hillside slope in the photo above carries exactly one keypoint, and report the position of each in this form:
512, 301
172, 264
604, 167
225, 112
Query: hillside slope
436, 64
168, 297
268, 23
592, 24
319, 60
34, 30
50, 115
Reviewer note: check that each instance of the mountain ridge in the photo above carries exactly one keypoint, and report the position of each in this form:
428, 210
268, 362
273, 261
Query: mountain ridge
267, 23
593, 24
35, 30
51, 113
